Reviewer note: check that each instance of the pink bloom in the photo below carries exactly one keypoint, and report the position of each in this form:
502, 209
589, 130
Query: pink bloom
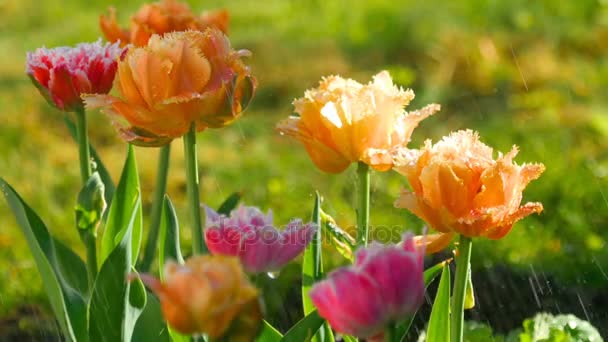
63, 73
384, 285
250, 235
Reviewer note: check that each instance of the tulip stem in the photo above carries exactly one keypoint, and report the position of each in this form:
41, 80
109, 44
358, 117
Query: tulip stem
198, 245
463, 264
363, 174
83, 146
159, 194
89, 238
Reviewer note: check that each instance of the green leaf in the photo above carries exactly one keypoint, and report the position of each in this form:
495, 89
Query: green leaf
305, 329
432, 272
72, 268
312, 271
99, 166
169, 249
439, 323
229, 203
347, 338
91, 204
150, 326
338, 238
429, 275
269, 333
116, 303
126, 199
63, 289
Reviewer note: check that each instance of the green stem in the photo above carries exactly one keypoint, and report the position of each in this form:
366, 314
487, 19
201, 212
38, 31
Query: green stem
198, 245
159, 194
83, 146
390, 333
463, 262
363, 175
85, 173
90, 243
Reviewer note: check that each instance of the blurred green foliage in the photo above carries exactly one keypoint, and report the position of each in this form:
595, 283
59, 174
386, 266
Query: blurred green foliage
519, 72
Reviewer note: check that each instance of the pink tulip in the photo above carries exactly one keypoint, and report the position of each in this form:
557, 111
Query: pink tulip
250, 235
384, 285
64, 73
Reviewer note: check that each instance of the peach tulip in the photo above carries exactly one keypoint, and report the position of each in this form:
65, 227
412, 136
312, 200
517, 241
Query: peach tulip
343, 122
177, 80
206, 295
458, 187
159, 18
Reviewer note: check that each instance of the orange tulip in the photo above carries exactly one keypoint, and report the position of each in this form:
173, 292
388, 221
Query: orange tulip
343, 121
176, 80
159, 18
457, 187
209, 294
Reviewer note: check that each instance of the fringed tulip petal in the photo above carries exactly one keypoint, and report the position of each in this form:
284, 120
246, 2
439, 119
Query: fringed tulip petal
62, 74
459, 188
343, 122
165, 87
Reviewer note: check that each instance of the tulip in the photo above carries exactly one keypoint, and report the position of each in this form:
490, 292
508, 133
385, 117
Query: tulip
457, 187
61, 74
383, 287
206, 296
251, 236
177, 80
159, 18
343, 121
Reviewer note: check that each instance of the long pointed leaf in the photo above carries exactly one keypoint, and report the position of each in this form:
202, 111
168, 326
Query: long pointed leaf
150, 326
126, 198
269, 334
67, 303
439, 324
99, 166
312, 271
305, 329
169, 249
116, 303
429, 275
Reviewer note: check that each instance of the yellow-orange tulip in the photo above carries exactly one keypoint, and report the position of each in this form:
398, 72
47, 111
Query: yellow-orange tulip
343, 121
159, 18
176, 80
457, 187
207, 295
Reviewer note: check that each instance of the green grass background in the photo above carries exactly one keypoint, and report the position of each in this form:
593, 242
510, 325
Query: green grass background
519, 72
